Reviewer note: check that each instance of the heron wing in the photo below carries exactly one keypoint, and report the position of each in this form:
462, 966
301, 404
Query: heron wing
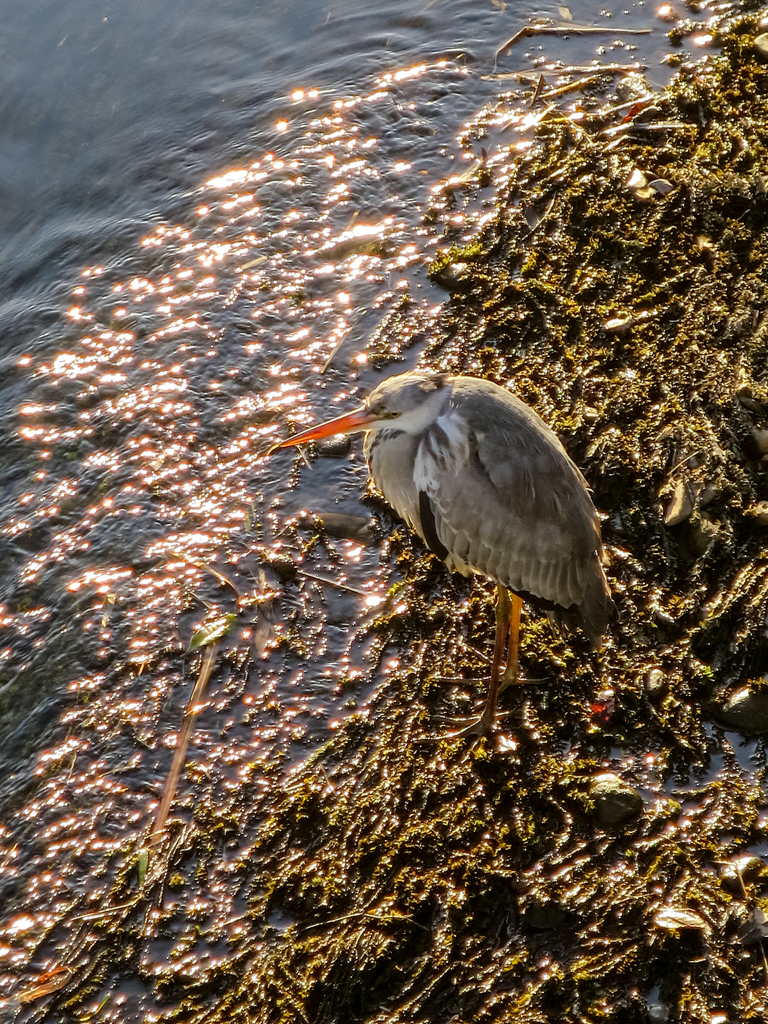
508, 502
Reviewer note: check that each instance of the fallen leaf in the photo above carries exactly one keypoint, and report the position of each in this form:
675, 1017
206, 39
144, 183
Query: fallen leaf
679, 919
212, 631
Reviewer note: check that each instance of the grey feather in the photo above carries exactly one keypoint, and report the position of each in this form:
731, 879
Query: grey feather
507, 500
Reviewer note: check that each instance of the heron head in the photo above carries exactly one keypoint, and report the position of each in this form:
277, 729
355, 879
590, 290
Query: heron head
407, 401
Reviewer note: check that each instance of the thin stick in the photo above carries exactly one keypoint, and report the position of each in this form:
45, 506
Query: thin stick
571, 69
216, 573
566, 28
336, 348
572, 86
652, 126
334, 583
541, 220
682, 462
185, 734
94, 915
538, 91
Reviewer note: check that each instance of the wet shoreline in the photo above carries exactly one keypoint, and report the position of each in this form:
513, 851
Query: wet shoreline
388, 877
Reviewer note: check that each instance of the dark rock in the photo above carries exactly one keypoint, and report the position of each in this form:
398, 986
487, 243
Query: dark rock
284, 568
544, 916
759, 513
335, 447
614, 799
703, 532
744, 869
655, 682
746, 710
453, 277
346, 527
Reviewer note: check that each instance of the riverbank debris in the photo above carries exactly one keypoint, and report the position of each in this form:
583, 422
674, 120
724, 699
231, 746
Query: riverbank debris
549, 27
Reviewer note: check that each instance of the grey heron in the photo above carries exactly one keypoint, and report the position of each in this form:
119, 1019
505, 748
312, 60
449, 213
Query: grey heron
490, 489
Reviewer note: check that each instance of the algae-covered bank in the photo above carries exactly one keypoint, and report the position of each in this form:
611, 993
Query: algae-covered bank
600, 859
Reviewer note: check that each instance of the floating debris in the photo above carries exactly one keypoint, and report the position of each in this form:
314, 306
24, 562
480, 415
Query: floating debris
180, 753
633, 87
554, 28
213, 630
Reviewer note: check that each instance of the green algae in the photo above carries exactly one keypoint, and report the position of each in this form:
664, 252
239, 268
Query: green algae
393, 877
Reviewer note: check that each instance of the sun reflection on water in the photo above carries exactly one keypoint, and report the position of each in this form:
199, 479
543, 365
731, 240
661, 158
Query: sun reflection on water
157, 509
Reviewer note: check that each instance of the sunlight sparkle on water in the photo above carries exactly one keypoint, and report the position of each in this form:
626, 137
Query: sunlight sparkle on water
156, 480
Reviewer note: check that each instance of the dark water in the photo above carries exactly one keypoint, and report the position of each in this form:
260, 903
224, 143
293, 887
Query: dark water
198, 204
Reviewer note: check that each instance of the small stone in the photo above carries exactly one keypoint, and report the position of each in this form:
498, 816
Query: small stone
661, 185
754, 929
708, 493
747, 399
759, 513
655, 682
761, 440
747, 868
615, 800
761, 44
453, 277
346, 527
746, 710
680, 507
703, 533
637, 183
618, 324
335, 447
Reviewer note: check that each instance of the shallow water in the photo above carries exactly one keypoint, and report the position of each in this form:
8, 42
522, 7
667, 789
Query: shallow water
199, 208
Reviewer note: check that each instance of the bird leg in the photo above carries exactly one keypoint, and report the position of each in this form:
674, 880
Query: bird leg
511, 676
507, 615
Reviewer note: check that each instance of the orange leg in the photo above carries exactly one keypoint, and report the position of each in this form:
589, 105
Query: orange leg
508, 606
511, 676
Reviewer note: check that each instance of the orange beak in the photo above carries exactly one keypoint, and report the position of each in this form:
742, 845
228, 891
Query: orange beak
360, 419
